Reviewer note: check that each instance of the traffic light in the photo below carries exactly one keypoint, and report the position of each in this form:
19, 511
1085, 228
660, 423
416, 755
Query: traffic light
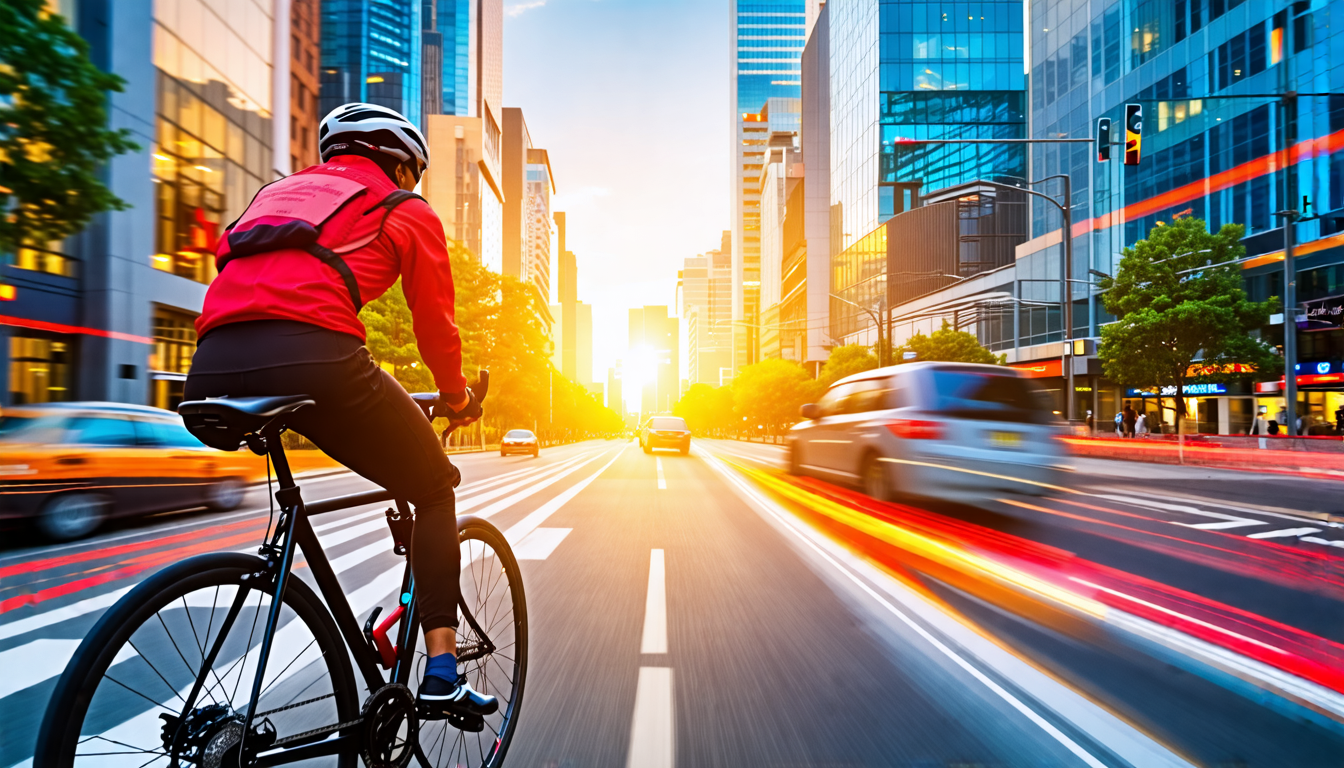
1103, 139
1133, 133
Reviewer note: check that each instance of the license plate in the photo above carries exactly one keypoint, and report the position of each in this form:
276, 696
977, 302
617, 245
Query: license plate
1005, 439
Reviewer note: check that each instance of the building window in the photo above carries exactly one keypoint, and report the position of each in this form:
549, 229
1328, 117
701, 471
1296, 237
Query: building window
39, 369
170, 360
49, 260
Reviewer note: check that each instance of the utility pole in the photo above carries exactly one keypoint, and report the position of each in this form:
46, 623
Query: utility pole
1288, 109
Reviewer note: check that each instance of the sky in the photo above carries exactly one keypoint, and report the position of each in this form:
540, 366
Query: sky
630, 98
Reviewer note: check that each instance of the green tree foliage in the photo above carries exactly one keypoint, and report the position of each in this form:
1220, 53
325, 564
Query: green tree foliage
950, 346
769, 393
708, 410
53, 134
846, 361
1170, 312
499, 318
391, 340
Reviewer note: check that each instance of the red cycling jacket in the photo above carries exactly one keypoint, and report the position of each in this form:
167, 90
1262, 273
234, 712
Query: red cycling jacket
293, 284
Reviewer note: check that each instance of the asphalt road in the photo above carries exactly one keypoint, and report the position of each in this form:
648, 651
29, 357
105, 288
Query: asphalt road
689, 611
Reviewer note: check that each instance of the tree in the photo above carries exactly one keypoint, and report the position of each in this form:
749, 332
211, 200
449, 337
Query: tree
708, 410
950, 346
391, 340
1178, 301
769, 393
53, 128
845, 361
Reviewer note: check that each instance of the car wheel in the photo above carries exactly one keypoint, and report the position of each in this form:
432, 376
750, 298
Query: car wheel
686, 451
648, 448
536, 452
501, 453
795, 459
875, 480
72, 516
227, 494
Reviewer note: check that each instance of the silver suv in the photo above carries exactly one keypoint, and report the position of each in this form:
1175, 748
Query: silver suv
947, 430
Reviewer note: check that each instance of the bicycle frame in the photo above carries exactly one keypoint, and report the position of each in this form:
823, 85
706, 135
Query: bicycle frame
294, 529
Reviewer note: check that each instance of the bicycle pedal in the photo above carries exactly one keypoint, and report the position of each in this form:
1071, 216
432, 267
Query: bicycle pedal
468, 723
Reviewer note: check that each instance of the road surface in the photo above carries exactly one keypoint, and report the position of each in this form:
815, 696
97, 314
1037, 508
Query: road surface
710, 611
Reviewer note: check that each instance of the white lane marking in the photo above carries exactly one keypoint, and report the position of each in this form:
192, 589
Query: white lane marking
1223, 525
353, 532
653, 730
518, 530
535, 485
1184, 509
540, 543
662, 483
780, 515
1327, 542
1169, 612
655, 607
29, 664
351, 559
57, 615
1284, 533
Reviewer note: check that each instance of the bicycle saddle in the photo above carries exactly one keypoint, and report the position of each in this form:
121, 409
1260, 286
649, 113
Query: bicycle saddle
224, 422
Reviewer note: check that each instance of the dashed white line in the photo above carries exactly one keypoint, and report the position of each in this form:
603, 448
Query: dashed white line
662, 483
653, 731
655, 607
1282, 533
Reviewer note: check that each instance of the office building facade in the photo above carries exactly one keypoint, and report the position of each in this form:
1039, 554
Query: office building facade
765, 43
108, 314
305, 55
903, 70
537, 213
527, 187
371, 52
707, 309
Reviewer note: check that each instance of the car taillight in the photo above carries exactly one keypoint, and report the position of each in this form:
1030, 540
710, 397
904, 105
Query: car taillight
916, 429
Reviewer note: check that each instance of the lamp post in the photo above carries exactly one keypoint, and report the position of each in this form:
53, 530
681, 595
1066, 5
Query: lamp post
878, 323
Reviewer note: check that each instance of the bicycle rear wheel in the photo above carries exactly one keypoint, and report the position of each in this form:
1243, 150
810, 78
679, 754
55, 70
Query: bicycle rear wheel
144, 656
491, 649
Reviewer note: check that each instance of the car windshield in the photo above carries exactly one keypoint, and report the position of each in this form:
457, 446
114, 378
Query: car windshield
518, 433
667, 422
43, 429
985, 395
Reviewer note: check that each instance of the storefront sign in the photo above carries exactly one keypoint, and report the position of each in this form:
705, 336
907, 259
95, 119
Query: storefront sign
1040, 369
1189, 390
1323, 314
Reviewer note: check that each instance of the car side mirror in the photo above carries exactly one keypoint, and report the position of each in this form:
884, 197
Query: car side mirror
810, 411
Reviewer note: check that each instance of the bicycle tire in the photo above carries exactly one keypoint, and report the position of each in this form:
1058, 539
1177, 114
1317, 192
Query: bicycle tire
431, 735
62, 729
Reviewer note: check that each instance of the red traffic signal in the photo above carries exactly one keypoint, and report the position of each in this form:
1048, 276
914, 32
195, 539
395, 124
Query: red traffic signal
1103, 139
1133, 133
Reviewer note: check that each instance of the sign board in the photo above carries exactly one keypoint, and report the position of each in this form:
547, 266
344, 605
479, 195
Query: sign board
1189, 390
1322, 314
1040, 369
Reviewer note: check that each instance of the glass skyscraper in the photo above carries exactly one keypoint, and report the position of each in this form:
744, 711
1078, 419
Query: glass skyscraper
371, 52
766, 44
911, 69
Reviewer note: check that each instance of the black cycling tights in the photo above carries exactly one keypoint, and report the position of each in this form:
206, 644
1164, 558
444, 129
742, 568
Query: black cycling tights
363, 419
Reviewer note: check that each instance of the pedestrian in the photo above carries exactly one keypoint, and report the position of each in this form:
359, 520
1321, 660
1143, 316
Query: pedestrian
1091, 425
1130, 418
1119, 424
1260, 426
1339, 420
1141, 425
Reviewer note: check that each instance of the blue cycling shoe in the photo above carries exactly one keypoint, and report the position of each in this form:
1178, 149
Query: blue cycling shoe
454, 698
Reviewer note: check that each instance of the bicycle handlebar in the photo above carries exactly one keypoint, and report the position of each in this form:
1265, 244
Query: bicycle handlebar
427, 400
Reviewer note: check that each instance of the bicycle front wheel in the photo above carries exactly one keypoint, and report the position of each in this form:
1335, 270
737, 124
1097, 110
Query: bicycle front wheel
123, 699
491, 650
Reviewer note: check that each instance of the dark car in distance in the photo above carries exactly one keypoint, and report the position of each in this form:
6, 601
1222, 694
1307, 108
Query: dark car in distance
519, 441
665, 432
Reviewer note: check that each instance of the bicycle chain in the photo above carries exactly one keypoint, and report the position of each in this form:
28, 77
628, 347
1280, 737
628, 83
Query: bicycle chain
324, 730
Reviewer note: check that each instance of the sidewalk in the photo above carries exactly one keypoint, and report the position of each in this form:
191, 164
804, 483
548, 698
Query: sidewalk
1304, 457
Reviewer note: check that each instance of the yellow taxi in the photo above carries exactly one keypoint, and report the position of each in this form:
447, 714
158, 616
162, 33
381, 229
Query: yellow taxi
69, 467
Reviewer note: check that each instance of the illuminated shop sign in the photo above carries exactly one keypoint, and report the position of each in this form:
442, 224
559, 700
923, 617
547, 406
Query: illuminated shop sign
1189, 390
1323, 314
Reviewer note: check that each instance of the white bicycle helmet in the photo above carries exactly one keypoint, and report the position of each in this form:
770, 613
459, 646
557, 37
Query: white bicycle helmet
373, 127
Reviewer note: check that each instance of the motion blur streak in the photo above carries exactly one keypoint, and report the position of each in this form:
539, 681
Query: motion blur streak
1328, 466
981, 473
982, 558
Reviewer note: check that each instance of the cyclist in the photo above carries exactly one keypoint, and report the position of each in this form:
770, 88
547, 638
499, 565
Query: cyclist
282, 317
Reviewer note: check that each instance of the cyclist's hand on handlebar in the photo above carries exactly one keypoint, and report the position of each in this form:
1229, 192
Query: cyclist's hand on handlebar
459, 409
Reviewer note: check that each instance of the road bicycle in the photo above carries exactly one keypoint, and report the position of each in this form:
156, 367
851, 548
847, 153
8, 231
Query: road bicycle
231, 659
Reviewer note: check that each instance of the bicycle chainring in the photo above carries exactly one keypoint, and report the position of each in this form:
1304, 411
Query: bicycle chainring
390, 728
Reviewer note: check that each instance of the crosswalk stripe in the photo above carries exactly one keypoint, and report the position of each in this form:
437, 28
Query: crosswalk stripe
1283, 533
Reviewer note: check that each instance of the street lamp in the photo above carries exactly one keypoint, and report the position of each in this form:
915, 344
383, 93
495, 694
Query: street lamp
882, 307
